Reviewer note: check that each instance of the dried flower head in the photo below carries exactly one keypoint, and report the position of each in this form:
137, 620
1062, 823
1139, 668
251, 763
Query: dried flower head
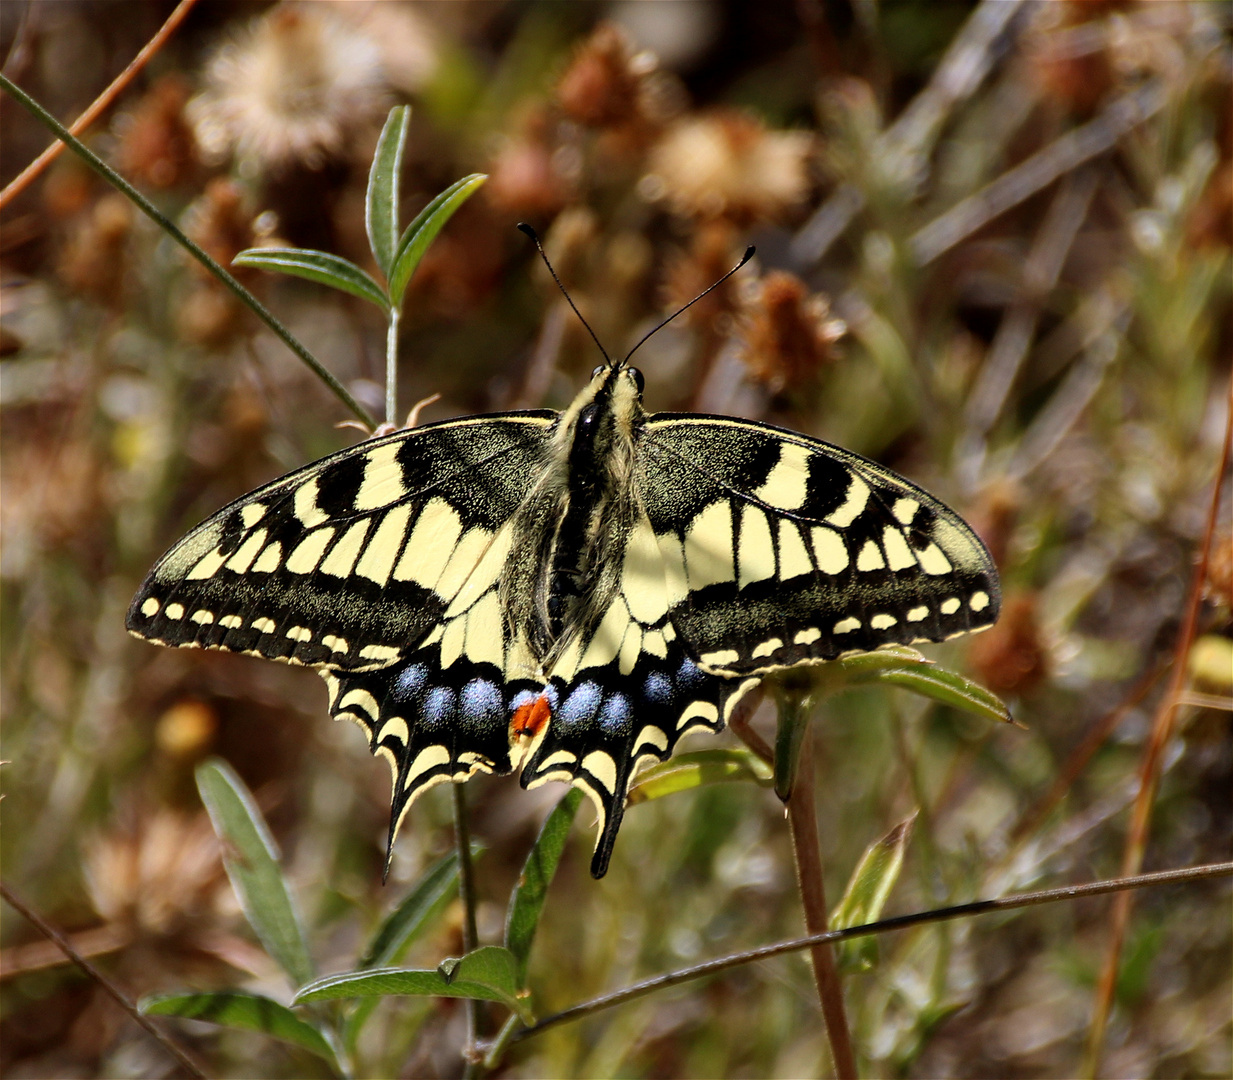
291, 89
602, 87
790, 334
94, 257
156, 146
156, 877
529, 175
714, 250
223, 224
727, 164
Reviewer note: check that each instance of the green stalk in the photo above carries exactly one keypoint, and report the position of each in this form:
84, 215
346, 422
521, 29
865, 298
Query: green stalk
172, 230
391, 368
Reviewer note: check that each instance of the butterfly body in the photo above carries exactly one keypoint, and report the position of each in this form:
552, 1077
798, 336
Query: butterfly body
566, 592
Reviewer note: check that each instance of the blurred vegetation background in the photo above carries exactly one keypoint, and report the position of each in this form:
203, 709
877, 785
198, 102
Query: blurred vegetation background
993, 253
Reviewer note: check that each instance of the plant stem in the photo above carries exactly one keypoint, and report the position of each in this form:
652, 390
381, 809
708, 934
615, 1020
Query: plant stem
100, 104
1151, 762
466, 890
882, 926
143, 1021
172, 230
495, 1053
803, 820
391, 368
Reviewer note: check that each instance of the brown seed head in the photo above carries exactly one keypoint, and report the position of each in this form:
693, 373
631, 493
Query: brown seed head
157, 147
790, 336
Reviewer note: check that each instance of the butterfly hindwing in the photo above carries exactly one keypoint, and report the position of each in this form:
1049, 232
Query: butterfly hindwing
785, 549
349, 562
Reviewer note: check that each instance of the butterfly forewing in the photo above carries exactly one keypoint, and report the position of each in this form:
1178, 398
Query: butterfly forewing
786, 549
350, 562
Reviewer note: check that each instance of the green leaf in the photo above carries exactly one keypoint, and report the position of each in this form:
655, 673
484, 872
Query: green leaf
248, 1012
526, 902
950, 688
319, 266
901, 665
697, 769
423, 231
419, 910
251, 860
489, 973
868, 890
381, 205
422, 906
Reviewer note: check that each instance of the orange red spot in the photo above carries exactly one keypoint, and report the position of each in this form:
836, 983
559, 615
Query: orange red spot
529, 719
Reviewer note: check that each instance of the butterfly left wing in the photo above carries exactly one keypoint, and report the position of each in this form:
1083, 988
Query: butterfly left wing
783, 549
377, 566
348, 562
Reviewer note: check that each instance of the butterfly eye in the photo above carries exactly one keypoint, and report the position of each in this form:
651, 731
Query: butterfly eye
598, 369
639, 381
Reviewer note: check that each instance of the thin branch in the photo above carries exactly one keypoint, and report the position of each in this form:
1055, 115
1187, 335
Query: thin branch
1064, 154
803, 821
899, 922
1153, 757
470, 937
1017, 329
961, 71
23, 179
172, 230
50, 932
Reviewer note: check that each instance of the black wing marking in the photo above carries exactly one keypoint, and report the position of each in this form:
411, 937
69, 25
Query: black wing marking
347, 563
610, 718
783, 549
431, 724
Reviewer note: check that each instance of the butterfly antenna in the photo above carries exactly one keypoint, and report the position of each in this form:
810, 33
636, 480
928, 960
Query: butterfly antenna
527, 230
749, 254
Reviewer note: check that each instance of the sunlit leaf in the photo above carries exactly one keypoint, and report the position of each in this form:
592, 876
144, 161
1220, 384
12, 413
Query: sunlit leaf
489, 973
251, 860
423, 230
949, 688
901, 665
697, 769
319, 266
381, 204
527, 900
248, 1012
419, 911
868, 890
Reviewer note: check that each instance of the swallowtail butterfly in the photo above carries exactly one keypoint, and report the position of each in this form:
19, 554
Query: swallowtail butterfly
569, 592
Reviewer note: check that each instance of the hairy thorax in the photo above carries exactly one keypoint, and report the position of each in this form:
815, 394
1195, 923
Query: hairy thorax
572, 529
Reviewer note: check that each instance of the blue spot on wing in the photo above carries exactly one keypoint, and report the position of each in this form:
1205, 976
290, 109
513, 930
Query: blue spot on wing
482, 701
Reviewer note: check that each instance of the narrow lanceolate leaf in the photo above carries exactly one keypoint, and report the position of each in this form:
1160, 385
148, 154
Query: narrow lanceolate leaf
381, 206
527, 900
868, 890
901, 665
423, 230
949, 688
419, 911
251, 860
697, 769
248, 1012
319, 266
487, 974
426, 901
